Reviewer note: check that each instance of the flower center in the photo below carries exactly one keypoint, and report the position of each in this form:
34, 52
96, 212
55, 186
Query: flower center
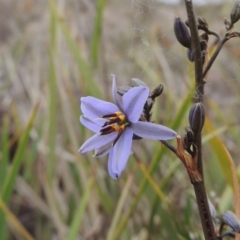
116, 123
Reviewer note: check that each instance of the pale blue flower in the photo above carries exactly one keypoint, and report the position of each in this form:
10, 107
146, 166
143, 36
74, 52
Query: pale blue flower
115, 125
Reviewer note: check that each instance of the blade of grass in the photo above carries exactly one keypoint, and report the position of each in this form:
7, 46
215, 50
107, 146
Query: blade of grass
119, 208
96, 39
9, 181
15, 222
152, 182
5, 149
88, 85
226, 163
12, 174
52, 85
76, 222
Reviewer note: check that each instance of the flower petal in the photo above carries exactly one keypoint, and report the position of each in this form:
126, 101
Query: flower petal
110, 163
94, 108
97, 141
115, 94
119, 155
231, 219
133, 102
153, 131
93, 126
102, 151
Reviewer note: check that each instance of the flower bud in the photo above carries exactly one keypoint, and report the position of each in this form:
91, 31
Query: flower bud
157, 91
182, 33
230, 219
202, 23
235, 13
197, 117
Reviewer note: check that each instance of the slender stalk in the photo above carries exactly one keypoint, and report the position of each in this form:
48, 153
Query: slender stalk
214, 56
199, 187
199, 88
169, 146
203, 207
227, 36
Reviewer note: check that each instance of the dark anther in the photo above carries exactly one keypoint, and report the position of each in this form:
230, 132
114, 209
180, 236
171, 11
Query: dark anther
107, 130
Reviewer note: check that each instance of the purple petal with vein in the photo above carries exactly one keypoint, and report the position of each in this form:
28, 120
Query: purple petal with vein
113, 175
97, 141
153, 131
133, 102
121, 151
93, 126
94, 108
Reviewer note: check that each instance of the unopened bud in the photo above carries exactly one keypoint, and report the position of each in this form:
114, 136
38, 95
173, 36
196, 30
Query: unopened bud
202, 23
182, 33
230, 219
197, 117
157, 91
235, 13
204, 37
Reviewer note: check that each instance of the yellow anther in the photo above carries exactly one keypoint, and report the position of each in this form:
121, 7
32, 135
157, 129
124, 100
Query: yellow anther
115, 127
122, 117
118, 113
118, 127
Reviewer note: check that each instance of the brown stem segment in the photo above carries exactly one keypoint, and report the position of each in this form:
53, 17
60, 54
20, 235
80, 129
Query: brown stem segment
189, 162
204, 212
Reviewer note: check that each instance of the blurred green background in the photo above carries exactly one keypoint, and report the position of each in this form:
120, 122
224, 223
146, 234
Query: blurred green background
54, 52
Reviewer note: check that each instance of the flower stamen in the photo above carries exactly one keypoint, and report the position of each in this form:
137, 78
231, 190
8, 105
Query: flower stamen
118, 117
120, 131
116, 123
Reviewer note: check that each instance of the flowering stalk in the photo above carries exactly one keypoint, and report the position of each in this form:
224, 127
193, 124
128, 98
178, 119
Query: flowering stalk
199, 187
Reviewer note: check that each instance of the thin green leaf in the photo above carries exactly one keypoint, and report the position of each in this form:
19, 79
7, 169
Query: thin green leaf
96, 39
17, 161
75, 225
87, 83
226, 163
